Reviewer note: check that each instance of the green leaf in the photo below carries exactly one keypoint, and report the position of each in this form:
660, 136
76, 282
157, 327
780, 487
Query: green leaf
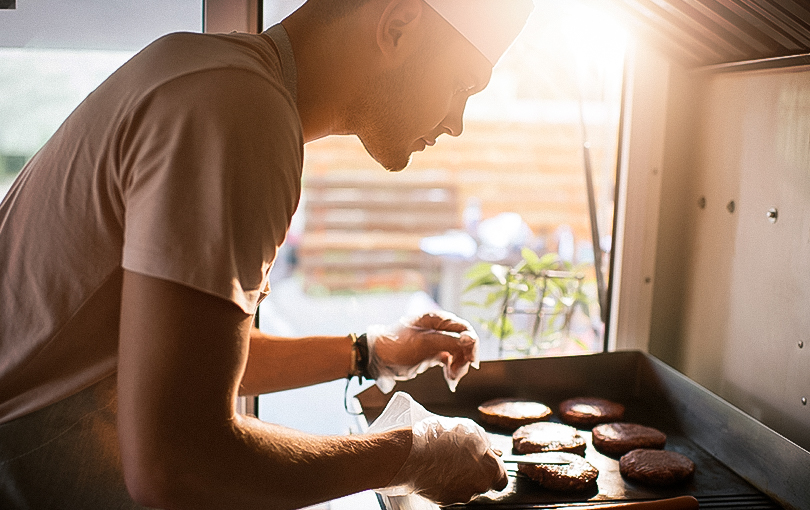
530, 294
478, 271
485, 274
532, 260
505, 328
483, 282
583, 305
494, 297
550, 261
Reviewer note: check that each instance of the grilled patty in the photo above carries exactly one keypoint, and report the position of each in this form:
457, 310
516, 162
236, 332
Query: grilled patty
511, 413
656, 467
548, 437
620, 438
576, 476
590, 411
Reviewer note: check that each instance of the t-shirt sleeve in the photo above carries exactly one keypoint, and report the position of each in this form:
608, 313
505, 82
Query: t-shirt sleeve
211, 168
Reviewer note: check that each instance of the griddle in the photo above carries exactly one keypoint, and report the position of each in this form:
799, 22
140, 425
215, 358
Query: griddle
740, 463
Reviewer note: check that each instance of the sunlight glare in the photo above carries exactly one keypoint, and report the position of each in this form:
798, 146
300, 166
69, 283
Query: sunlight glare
587, 37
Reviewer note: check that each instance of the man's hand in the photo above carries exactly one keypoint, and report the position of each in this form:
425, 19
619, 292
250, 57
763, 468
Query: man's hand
450, 462
402, 351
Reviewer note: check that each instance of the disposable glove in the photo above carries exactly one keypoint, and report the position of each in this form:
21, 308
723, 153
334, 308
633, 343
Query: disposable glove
450, 459
450, 462
403, 350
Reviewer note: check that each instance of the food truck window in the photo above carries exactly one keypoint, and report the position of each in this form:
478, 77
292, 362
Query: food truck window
53, 53
512, 190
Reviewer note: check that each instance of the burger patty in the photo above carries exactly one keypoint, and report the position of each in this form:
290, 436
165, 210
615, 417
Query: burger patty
576, 476
548, 437
620, 438
590, 411
511, 413
656, 467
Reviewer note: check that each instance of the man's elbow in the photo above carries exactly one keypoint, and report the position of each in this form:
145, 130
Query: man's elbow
152, 484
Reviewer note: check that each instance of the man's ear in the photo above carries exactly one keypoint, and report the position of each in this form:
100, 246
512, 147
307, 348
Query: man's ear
398, 20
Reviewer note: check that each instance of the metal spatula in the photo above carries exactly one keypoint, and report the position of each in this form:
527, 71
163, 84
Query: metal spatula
551, 458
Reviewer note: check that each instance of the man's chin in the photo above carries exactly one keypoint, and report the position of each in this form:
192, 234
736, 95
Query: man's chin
390, 160
397, 167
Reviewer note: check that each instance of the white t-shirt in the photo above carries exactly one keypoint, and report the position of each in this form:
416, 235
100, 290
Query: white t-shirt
184, 165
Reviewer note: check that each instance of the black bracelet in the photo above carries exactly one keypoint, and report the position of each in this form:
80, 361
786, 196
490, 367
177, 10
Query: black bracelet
362, 357
359, 367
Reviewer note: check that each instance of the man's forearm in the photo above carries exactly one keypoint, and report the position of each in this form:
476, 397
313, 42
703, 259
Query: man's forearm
277, 363
253, 464
303, 469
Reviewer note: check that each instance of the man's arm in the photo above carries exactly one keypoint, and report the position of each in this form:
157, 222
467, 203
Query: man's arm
277, 363
182, 355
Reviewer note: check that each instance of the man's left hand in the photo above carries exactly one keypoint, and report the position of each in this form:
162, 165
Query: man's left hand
402, 351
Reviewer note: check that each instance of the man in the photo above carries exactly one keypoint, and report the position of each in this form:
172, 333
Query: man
136, 246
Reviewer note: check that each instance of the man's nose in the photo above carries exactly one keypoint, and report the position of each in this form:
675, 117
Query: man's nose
454, 122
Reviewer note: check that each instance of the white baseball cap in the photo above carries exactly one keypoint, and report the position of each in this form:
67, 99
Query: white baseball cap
490, 25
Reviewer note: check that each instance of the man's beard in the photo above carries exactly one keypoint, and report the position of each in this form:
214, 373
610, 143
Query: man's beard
378, 118
390, 158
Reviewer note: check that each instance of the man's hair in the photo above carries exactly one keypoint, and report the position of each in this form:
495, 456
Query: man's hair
328, 11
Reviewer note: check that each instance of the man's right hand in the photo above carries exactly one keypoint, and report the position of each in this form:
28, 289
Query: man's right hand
450, 461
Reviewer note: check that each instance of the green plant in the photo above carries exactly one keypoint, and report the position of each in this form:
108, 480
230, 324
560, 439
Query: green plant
535, 300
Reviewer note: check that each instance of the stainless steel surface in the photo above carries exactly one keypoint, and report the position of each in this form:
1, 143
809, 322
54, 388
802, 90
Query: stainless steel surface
738, 459
536, 458
679, 503
754, 65
708, 32
730, 295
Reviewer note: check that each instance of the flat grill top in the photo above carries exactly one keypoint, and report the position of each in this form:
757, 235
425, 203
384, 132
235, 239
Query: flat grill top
737, 458
712, 480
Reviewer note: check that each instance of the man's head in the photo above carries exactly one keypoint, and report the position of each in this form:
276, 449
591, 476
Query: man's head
418, 61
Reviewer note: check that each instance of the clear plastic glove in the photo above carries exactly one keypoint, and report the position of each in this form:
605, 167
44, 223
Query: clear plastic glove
402, 351
450, 459
450, 462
